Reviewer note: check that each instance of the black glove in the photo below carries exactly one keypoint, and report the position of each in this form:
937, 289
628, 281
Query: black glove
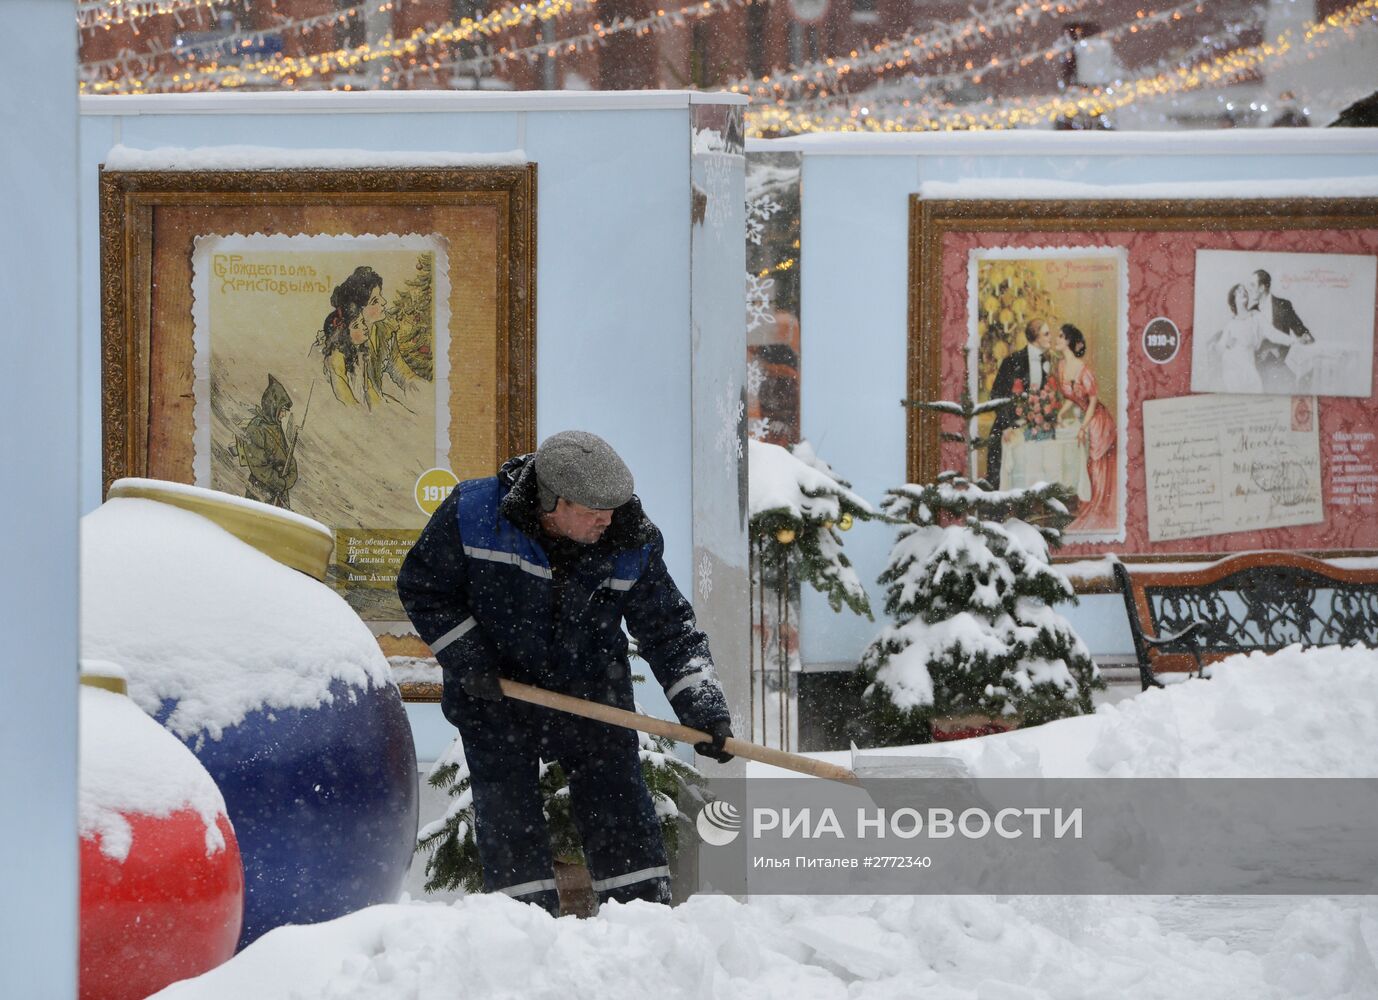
720, 731
481, 684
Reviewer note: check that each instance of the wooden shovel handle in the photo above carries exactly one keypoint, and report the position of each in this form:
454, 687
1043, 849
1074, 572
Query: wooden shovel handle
674, 731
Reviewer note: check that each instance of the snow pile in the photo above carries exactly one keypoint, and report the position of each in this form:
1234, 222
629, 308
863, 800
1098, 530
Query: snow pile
415, 670
803, 486
1292, 714
793, 948
198, 617
132, 765
1297, 712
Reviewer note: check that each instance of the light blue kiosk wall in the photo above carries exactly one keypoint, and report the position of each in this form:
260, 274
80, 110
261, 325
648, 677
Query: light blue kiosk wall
613, 302
854, 307
38, 505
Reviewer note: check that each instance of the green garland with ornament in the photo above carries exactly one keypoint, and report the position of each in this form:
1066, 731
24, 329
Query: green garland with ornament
799, 506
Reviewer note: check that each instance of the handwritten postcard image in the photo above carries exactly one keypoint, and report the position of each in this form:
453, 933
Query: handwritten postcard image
1221, 464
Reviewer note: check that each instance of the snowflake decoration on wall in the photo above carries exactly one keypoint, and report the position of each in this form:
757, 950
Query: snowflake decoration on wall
717, 169
758, 211
759, 309
759, 428
705, 575
731, 416
755, 377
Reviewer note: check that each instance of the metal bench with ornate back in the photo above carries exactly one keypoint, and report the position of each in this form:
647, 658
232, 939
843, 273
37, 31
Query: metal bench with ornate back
1183, 620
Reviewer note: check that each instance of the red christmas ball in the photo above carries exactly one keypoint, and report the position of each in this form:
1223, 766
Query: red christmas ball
168, 911
162, 882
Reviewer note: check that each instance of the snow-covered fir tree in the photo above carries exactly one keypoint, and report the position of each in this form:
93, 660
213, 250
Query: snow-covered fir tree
798, 506
454, 863
971, 591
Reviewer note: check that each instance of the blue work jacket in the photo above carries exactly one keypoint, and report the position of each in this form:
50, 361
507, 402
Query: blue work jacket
481, 591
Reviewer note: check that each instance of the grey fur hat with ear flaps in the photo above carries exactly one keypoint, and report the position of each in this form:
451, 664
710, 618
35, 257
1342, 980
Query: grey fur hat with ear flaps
582, 468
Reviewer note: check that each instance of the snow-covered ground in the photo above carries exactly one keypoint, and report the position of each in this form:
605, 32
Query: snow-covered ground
1293, 714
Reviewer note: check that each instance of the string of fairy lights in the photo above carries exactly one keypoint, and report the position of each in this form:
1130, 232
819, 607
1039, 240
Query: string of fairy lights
223, 44
937, 113
112, 13
913, 92
662, 19
405, 52
999, 19
803, 98
1218, 70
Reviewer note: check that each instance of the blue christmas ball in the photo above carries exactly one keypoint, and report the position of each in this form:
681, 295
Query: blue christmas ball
323, 802
279, 689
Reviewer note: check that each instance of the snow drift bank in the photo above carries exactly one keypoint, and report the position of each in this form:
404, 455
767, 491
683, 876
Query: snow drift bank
940, 948
1292, 714
1298, 713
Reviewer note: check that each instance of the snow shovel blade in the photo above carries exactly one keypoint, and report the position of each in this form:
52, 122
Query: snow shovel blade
889, 779
872, 766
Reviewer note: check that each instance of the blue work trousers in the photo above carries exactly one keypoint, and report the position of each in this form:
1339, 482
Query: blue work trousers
504, 742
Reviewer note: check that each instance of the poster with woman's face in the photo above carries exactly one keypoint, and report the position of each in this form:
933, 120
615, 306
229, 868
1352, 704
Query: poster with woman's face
322, 388
1048, 329
1283, 323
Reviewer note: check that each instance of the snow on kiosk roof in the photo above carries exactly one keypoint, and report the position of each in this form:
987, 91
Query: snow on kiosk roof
1034, 142
414, 101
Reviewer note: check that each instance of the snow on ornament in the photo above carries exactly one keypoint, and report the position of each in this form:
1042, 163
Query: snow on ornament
270, 679
797, 500
162, 883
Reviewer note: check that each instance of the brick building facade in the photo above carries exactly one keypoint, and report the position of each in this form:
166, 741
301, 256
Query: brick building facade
749, 40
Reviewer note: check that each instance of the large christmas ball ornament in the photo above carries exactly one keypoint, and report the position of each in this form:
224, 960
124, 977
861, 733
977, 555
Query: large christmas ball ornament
785, 536
845, 522
162, 885
273, 682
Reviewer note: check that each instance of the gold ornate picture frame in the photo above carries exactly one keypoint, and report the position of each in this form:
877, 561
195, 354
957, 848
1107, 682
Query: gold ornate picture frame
980, 272
217, 283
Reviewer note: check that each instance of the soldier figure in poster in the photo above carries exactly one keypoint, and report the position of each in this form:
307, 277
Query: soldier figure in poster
264, 450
